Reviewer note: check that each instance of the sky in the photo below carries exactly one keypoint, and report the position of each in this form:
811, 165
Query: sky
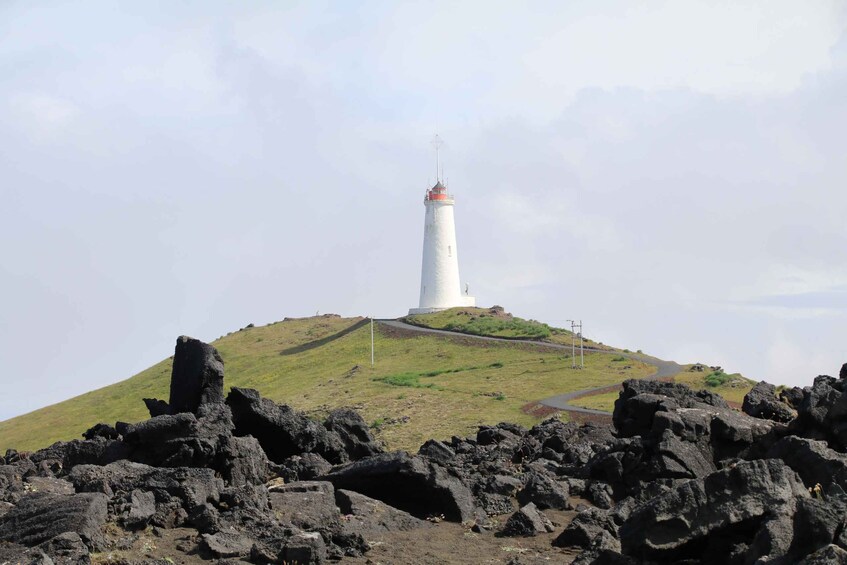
671, 173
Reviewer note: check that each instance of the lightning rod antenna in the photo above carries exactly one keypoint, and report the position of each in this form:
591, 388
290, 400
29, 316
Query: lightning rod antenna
437, 143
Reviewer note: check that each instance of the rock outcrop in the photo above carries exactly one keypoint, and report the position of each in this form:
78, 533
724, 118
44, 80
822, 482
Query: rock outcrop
38, 518
193, 464
762, 402
197, 378
681, 477
527, 521
280, 430
413, 484
749, 496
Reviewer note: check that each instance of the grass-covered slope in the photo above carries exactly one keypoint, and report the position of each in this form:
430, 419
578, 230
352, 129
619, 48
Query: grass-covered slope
422, 386
732, 387
482, 321
496, 322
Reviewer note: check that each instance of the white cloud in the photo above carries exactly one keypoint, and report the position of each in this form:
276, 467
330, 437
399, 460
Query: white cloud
555, 217
43, 116
702, 352
787, 358
531, 61
658, 170
720, 48
788, 280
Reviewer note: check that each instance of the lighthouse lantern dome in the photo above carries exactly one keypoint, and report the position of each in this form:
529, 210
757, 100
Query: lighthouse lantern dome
438, 192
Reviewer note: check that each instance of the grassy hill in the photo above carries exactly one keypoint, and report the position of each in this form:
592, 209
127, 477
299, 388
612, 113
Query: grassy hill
732, 387
497, 322
422, 386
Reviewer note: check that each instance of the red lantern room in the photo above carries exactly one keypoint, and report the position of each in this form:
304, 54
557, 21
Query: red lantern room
437, 192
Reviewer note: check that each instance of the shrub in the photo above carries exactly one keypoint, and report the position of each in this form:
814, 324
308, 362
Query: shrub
717, 378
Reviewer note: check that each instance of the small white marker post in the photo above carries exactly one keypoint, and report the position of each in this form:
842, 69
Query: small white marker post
372, 341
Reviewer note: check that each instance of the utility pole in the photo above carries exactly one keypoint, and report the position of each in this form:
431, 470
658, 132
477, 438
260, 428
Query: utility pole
576, 327
573, 344
581, 349
372, 341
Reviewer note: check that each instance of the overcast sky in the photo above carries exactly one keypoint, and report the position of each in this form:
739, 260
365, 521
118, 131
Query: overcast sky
673, 173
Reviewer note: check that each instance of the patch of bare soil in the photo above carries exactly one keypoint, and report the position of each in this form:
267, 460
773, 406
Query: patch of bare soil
455, 543
583, 418
176, 546
538, 410
445, 543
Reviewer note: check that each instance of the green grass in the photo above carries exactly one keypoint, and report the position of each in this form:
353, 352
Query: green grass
413, 379
480, 321
484, 322
604, 401
502, 328
314, 366
732, 387
404, 379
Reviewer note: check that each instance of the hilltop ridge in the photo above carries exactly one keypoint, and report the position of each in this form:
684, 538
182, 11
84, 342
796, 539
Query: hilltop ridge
213, 475
421, 385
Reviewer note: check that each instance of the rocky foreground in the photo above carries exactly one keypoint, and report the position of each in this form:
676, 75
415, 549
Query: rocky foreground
680, 478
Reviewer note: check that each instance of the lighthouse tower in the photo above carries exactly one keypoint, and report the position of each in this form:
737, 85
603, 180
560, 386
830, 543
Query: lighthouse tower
440, 284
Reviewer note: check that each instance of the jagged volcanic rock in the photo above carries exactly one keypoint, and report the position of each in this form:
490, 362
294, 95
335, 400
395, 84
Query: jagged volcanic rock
585, 527
198, 376
813, 460
682, 478
303, 467
762, 402
527, 521
544, 492
670, 433
367, 516
829, 555
38, 518
633, 418
282, 431
182, 487
309, 505
413, 484
354, 433
700, 513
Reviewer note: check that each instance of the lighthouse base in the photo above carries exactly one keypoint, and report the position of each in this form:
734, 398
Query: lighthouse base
463, 301
413, 311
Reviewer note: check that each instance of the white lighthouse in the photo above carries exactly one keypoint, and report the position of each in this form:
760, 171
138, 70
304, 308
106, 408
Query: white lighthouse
441, 287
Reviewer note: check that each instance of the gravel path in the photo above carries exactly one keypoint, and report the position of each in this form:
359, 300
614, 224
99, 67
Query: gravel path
560, 401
